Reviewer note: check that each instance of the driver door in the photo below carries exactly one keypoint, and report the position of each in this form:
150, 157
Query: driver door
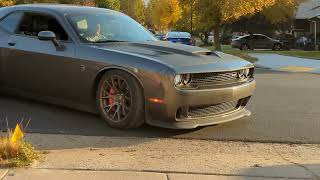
38, 67
261, 42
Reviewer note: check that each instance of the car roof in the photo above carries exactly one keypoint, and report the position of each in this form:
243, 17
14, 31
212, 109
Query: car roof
61, 8
253, 34
177, 34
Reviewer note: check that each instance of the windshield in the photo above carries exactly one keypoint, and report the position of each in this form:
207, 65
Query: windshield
109, 27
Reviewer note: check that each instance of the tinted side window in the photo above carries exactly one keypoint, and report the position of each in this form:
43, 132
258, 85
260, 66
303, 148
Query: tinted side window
33, 23
11, 22
256, 37
262, 37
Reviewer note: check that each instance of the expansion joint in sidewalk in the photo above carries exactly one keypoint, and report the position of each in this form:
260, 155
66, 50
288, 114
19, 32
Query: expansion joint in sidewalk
4, 174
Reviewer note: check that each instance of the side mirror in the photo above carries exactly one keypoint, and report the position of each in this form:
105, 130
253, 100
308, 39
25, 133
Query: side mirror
50, 36
46, 36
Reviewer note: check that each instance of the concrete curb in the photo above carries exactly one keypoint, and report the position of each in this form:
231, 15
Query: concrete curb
40, 174
53, 174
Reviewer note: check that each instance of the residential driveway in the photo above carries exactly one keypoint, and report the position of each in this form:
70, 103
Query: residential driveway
285, 108
287, 63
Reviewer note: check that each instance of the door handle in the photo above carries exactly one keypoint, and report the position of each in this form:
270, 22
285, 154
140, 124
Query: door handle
11, 42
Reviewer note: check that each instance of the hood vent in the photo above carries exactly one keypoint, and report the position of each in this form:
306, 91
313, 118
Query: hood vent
206, 53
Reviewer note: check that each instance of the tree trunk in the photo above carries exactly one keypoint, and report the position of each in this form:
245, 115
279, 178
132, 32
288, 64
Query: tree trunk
206, 37
216, 37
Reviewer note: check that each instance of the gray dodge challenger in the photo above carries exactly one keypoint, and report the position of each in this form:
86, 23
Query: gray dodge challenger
102, 61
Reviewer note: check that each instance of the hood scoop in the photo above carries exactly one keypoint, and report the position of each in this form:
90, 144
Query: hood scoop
207, 53
177, 49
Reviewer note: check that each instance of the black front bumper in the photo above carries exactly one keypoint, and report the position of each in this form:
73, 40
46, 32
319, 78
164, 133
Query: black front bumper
165, 115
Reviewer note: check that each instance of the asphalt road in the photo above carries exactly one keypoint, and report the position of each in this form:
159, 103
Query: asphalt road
284, 109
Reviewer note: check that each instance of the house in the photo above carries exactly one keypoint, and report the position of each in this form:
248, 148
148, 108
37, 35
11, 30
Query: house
308, 18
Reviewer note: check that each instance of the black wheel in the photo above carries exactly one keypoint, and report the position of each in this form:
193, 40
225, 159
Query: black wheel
244, 47
277, 47
120, 100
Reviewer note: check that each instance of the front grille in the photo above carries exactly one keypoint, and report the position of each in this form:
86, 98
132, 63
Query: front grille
212, 110
218, 78
214, 78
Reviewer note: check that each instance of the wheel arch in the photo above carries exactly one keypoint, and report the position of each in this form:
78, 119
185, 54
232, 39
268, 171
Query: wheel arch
244, 43
277, 43
104, 70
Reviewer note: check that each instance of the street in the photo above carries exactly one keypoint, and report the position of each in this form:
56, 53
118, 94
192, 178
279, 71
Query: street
284, 110
165, 59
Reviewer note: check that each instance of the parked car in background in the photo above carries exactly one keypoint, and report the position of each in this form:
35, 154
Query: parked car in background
301, 42
226, 39
152, 31
104, 62
288, 41
161, 37
210, 38
256, 41
179, 37
310, 45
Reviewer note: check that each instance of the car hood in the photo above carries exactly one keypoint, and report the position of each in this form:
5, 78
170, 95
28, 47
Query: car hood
182, 58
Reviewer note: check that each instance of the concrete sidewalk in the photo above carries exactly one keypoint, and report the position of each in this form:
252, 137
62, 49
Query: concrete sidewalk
287, 63
52, 174
82, 157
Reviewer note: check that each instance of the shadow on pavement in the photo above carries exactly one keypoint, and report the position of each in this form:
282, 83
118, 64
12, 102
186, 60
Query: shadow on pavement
298, 171
51, 119
53, 127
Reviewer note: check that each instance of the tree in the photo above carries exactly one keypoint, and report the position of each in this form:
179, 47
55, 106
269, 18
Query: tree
278, 17
4, 3
164, 13
108, 4
186, 23
35, 1
281, 11
217, 13
134, 9
86, 3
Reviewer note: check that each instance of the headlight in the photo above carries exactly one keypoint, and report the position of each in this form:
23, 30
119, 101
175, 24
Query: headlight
247, 72
177, 80
183, 79
241, 74
244, 73
186, 79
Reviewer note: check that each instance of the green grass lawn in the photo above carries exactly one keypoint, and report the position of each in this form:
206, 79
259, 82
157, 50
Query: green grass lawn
294, 53
245, 54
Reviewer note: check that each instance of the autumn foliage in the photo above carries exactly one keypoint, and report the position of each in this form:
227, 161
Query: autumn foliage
6, 3
201, 16
164, 13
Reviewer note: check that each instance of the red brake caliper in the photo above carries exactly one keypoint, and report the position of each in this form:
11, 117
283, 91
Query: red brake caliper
112, 92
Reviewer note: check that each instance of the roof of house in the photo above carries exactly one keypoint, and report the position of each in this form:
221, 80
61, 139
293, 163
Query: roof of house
308, 9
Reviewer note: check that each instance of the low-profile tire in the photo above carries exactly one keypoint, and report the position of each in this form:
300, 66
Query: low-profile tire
244, 47
120, 100
277, 47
